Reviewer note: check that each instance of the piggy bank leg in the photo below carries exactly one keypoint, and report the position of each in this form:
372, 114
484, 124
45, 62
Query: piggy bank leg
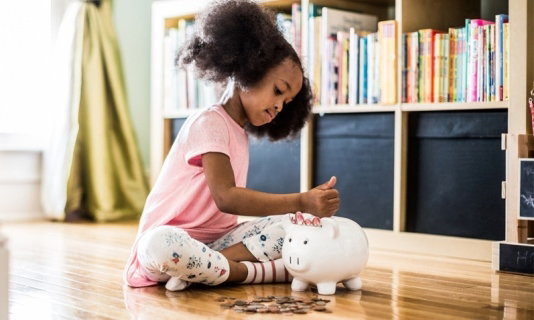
326, 288
353, 283
299, 285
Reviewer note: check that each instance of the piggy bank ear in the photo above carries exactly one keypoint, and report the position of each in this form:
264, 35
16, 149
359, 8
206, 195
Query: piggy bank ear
286, 222
331, 227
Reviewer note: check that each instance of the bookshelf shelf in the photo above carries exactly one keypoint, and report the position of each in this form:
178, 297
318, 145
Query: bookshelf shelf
410, 16
344, 108
454, 106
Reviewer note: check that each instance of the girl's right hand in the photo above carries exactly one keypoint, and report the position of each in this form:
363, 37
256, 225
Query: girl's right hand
321, 201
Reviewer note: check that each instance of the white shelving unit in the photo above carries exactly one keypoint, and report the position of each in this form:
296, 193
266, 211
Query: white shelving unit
411, 15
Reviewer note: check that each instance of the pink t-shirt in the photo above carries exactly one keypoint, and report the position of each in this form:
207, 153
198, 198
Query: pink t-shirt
181, 196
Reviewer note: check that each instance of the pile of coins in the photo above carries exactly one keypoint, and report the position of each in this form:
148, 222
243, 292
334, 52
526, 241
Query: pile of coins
271, 304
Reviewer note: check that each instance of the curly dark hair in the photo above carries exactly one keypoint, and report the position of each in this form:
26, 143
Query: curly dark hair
239, 39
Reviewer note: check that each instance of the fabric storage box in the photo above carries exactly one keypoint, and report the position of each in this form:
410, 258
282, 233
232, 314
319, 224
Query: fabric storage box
273, 167
455, 170
358, 149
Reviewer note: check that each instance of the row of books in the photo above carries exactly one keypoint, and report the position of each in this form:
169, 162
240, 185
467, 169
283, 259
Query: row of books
181, 89
467, 64
351, 57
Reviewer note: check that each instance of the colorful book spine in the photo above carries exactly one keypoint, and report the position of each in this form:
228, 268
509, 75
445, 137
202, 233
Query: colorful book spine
387, 62
426, 83
354, 44
462, 66
343, 67
376, 75
318, 58
466, 62
453, 34
500, 19
482, 66
404, 61
474, 64
414, 67
506, 53
444, 70
363, 73
370, 67
296, 14
436, 66
492, 64
333, 72
326, 58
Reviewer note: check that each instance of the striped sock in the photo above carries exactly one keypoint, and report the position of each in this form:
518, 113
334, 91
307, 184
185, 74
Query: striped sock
267, 272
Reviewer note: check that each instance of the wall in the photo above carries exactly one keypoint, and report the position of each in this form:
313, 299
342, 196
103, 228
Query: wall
132, 24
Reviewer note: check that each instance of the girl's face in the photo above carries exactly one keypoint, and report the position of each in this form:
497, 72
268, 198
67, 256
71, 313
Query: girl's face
280, 85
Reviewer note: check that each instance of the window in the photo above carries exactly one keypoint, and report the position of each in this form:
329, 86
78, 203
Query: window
25, 66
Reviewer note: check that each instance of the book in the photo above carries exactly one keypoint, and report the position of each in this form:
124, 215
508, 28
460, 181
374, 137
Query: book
440, 67
453, 64
387, 38
444, 69
462, 66
343, 67
314, 48
426, 64
505, 58
332, 22
354, 53
371, 68
296, 15
466, 58
327, 69
500, 19
413, 73
474, 59
362, 83
405, 39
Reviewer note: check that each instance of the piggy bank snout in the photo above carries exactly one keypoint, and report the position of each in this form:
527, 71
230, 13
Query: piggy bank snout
296, 261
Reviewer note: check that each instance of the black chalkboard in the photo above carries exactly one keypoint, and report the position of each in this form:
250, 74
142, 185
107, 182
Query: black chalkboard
526, 189
516, 258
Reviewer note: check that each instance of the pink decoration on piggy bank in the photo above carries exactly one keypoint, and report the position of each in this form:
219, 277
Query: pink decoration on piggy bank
324, 252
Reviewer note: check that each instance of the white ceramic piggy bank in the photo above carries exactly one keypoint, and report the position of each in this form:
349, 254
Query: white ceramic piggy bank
334, 251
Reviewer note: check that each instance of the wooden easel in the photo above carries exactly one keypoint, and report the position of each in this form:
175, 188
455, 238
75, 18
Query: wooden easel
516, 253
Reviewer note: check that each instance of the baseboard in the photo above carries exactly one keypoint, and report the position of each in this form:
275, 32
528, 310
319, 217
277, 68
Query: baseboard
20, 185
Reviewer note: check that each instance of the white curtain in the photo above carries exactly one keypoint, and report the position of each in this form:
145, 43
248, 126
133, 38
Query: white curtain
57, 153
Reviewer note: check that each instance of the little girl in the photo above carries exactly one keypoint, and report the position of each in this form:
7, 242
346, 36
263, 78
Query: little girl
188, 231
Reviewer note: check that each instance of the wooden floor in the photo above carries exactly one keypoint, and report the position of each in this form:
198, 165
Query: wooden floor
75, 271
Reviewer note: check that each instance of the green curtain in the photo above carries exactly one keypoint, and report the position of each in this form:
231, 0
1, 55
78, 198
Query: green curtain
106, 180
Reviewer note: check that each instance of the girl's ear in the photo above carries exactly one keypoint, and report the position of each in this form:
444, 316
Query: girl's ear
286, 222
331, 227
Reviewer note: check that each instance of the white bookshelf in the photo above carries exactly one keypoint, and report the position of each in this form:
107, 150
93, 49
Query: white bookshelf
411, 15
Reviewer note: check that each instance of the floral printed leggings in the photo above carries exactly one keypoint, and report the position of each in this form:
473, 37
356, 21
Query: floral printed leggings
168, 251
